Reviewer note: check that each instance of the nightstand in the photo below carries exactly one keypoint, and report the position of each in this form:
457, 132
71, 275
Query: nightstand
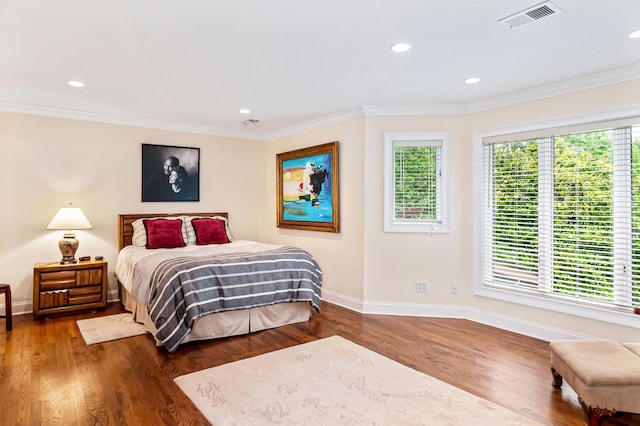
67, 288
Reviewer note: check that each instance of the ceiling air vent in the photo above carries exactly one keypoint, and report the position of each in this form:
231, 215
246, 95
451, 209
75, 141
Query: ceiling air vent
526, 16
252, 123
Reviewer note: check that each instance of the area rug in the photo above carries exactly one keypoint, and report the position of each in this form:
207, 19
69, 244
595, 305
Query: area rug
334, 381
111, 327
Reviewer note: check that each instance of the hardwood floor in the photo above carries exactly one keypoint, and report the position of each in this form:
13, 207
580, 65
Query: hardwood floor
48, 375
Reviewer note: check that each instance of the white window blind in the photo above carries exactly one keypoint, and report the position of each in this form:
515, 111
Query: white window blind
561, 215
416, 182
635, 218
512, 213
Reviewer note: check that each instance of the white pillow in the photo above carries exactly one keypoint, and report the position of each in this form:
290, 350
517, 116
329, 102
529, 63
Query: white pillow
139, 238
191, 233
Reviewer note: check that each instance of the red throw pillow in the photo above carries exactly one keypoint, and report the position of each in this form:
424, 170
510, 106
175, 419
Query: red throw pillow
164, 233
209, 231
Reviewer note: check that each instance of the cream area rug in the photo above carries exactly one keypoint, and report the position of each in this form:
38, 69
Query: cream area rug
111, 327
334, 381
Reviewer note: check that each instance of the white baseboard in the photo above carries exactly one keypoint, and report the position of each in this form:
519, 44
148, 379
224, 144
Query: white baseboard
515, 325
26, 307
535, 330
342, 300
19, 308
113, 296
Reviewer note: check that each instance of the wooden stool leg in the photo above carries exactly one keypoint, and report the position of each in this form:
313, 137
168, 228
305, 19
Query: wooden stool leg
557, 379
7, 308
6, 290
594, 416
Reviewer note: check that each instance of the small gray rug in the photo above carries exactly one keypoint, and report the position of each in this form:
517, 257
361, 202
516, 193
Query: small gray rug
111, 327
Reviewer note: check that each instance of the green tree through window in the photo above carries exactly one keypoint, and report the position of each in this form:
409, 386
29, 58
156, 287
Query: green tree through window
578, 183
415, 182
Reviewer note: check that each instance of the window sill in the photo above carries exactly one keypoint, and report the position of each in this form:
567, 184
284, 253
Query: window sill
586, 310
417, 226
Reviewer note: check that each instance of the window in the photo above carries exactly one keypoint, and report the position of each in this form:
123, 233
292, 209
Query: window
561, 214
416, 182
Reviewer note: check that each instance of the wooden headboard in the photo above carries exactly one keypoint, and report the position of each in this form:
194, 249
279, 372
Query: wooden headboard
125, 227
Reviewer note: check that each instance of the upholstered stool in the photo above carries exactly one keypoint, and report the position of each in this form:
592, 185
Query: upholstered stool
604, 373
6, 289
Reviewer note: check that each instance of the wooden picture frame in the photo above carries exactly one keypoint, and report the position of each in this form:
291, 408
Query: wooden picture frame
170, 173
307, 188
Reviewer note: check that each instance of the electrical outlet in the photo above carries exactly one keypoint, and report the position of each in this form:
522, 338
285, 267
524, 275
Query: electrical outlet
454, 288
422, 287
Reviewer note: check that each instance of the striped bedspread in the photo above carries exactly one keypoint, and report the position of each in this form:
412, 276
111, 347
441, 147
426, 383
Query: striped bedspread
188, 287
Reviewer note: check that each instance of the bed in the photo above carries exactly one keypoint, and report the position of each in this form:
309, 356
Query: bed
212, 289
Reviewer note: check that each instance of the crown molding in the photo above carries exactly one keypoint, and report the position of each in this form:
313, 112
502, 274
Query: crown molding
116, 119
626, 73
630, 72
618, 75
338, 117
433, 109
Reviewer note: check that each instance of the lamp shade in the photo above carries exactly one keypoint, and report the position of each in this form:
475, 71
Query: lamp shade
69, 218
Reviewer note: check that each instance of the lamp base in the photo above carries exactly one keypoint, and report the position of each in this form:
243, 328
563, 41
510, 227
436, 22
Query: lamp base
68, 246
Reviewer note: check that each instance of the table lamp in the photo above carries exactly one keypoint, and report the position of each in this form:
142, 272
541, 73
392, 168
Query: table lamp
69, 218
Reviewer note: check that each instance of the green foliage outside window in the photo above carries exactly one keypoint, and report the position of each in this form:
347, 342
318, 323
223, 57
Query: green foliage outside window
415, 182
582, 215
516, 206
635, 224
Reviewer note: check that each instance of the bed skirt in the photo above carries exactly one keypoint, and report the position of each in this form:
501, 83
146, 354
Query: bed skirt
225, 324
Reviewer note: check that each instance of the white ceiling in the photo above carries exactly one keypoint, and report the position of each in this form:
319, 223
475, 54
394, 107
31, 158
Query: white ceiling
191, 64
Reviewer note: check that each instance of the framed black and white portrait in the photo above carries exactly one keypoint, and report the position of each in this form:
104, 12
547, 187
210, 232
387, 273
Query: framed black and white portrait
170, 173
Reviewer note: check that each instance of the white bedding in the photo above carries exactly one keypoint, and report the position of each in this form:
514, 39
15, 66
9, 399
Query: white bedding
225, 324
135, 293
129, 256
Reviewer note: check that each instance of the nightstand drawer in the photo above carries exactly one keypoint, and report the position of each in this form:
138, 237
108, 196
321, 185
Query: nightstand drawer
87, 294
54, 299
89, 277
57, 280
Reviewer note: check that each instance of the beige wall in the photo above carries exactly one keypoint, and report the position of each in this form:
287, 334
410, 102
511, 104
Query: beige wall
394, 261
586, 102
49, 162
340, 255
364, 267
611, 97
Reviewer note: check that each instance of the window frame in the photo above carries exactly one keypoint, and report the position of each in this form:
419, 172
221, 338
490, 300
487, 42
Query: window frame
530, 298
427, 139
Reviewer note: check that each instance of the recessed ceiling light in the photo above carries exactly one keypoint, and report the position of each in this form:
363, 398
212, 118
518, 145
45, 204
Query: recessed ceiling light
244, 111
75, 83
400, 47
472, 80
635, 34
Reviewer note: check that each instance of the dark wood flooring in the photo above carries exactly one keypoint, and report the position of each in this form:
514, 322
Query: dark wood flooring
48, 375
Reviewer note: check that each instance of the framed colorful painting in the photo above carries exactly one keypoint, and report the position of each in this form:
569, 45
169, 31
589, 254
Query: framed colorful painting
307, 186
